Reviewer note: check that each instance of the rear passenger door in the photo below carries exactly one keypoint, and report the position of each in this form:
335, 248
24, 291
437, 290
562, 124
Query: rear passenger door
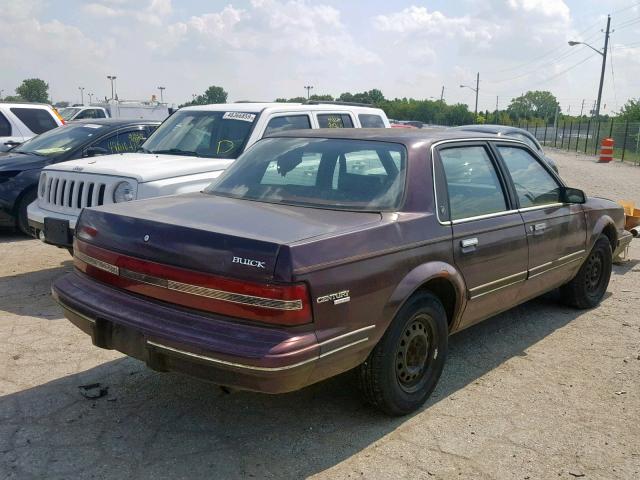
556, 231
489, 239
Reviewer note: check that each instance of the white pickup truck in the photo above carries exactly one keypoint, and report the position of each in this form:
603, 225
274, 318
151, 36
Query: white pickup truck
189, 150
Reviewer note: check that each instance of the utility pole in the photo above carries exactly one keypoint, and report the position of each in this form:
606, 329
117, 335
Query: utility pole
477, 89
112, 78
442, 94
308, 89
497, 110
1, 92
162, 89
81, 95
582, 108
555, 118
603, 54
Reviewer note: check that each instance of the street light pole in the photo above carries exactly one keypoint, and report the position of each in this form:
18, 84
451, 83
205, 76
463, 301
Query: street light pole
112, 78
81, 95
90, 98
603, 54
162, 89
308, 88
477, 89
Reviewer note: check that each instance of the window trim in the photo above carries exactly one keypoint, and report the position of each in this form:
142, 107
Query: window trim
285, 114
439, 171
545, 166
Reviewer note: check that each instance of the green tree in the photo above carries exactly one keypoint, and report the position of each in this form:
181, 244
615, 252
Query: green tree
373, 97
291, 100
213, 94
13, 99
321, 98
34, 90
631, 110
533, 104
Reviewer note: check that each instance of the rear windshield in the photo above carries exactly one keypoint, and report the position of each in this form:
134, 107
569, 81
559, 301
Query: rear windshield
202, 134
326, 173
60, 140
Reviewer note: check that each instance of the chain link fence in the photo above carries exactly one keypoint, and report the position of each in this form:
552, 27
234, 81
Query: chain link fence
585, 137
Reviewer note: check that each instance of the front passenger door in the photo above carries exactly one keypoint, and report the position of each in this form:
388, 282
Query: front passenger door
556, 231
489, 240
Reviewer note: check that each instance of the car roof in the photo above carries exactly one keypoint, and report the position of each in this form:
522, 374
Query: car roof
395, 135
113, 122
25, 105
491, 129
255, 107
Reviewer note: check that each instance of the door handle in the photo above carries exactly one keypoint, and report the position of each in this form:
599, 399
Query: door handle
469, 244
539, 228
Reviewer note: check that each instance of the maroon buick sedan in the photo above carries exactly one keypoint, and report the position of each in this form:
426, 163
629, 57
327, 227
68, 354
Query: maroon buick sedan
319, 252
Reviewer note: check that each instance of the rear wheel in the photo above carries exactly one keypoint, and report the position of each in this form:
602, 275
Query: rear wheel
590, 283
405, 365
23, 220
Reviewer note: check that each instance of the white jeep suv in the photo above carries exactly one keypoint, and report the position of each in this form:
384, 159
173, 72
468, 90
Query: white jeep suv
189, 150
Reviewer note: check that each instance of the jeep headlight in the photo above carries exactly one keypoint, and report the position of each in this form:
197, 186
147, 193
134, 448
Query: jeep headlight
42, 187
123, 192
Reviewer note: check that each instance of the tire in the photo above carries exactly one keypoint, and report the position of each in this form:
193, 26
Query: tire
404, 367
23, 221
590, 284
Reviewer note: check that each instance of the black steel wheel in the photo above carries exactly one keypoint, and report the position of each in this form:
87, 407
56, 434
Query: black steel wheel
590, 284
404, 367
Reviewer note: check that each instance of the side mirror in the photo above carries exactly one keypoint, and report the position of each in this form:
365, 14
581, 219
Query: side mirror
572, 195
93, 151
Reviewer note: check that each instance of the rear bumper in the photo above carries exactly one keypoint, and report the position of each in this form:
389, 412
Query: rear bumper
227, 352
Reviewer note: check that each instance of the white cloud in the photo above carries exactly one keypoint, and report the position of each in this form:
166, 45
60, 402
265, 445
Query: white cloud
294, 27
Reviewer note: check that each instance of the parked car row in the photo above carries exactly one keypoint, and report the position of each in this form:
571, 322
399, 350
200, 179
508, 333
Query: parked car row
272, 246
189, 150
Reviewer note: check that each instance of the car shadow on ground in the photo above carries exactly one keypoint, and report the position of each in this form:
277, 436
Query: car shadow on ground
155, 425
29, 294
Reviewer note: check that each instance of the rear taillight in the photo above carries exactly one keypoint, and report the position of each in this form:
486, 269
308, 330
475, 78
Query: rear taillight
269, 303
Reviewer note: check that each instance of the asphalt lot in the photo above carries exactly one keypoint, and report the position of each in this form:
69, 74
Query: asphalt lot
540, 392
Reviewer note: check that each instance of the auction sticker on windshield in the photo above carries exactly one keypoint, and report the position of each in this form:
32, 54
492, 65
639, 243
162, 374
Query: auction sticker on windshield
246, 117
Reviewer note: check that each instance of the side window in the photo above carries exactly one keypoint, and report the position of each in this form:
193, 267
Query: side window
472, 182
122, 142
335, 120
97, 113
368, 120
534, 185
5, 126
84, 114
287, 122
38, 120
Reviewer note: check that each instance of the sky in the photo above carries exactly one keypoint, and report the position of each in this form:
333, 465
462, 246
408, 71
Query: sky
264, 49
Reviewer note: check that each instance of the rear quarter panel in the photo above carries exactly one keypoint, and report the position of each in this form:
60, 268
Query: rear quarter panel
600, 213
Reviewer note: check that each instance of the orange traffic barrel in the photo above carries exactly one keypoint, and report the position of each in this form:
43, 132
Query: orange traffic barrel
606, 150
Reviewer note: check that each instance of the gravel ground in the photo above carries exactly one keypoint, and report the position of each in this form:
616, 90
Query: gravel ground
540, 392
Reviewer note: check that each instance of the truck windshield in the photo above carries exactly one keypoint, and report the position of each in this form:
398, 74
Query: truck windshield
68, 112
60, 140
202, 134
318, 172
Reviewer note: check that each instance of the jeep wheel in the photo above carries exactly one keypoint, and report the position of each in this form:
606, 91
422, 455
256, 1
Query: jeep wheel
403, 368
590, 283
